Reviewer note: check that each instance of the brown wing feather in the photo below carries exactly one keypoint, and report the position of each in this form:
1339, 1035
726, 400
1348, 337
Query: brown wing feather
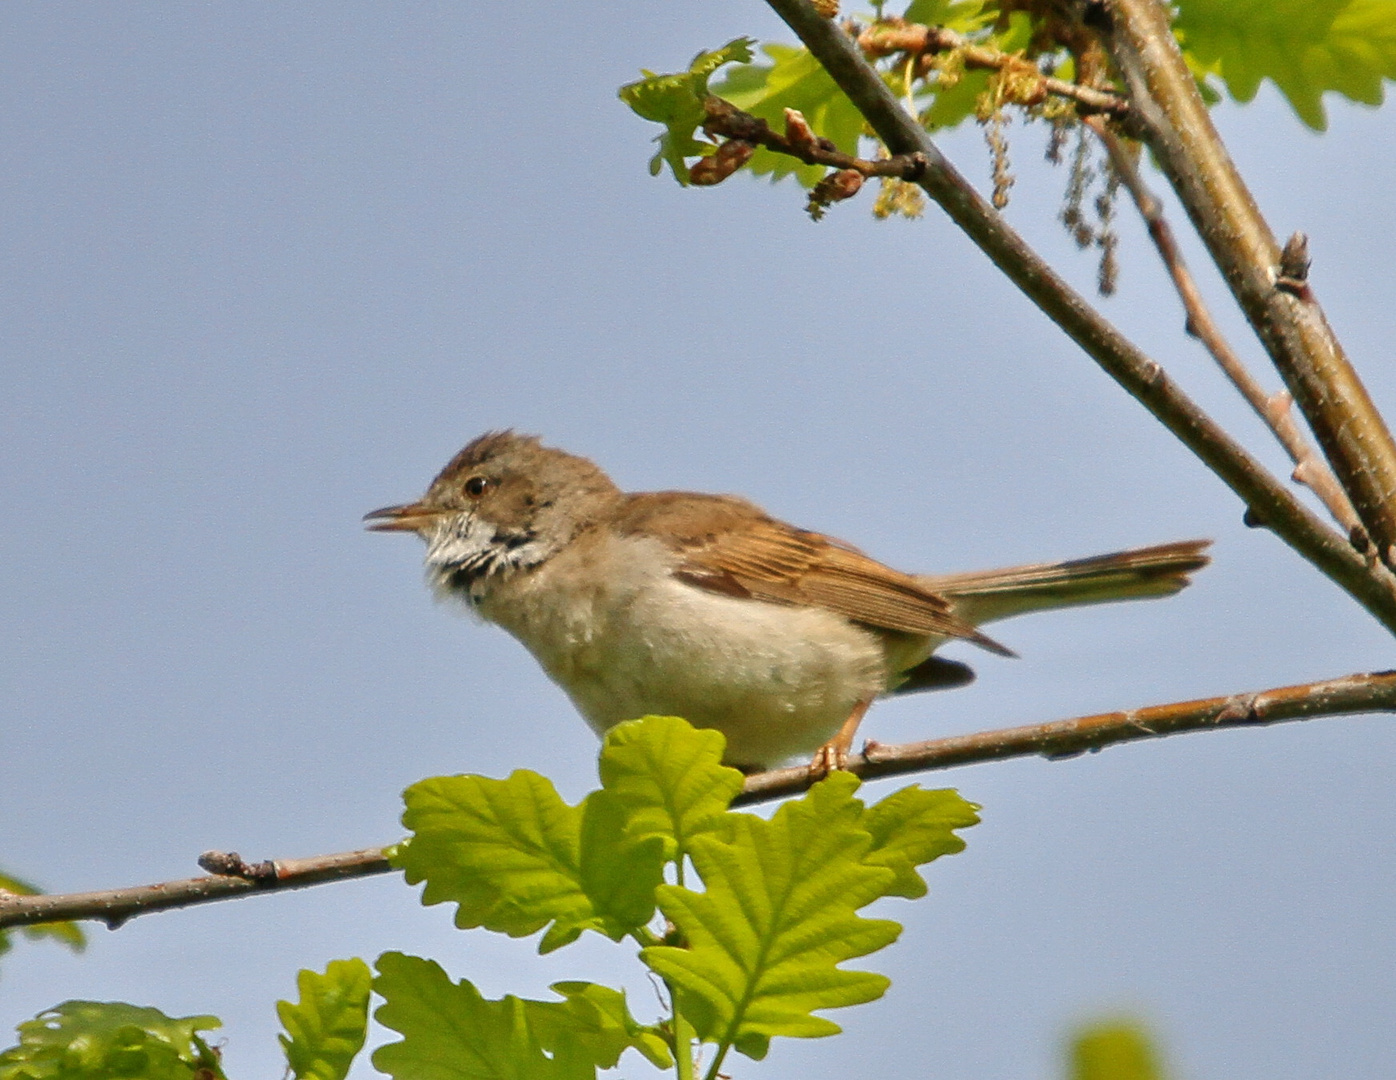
729, 545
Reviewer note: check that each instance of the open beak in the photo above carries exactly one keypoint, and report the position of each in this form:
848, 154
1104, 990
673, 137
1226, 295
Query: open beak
410, 517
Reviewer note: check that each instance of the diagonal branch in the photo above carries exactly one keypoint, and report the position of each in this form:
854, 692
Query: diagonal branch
1274, 410
1265, 496
1054, 741
1288, 319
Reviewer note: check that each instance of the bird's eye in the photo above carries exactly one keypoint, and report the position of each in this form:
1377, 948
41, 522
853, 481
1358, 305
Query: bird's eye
477, 486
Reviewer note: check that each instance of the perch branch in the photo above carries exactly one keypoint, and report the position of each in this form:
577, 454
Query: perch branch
1273, 409
1068, 738
1264, 495
1288, 320
1054, 741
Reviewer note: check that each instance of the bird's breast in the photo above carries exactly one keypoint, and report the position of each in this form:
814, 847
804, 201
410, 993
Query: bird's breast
610, 623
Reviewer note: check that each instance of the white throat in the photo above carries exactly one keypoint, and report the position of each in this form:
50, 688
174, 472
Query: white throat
467, 555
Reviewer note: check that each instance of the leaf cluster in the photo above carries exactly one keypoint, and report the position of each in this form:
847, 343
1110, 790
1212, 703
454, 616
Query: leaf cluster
747, 920
676, 101
754, 953
1305, 47
85, 1040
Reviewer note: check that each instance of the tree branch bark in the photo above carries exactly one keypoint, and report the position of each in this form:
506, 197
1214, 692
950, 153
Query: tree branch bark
1273, 409
116, 906
1265, 496
1061, 739
1289, 321
1054, 741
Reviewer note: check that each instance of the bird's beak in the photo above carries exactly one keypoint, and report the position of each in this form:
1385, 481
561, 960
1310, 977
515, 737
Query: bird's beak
410, 517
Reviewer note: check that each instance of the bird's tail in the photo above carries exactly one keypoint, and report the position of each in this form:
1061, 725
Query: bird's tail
980, 597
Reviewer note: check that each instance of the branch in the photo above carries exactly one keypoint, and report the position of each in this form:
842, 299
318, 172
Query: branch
1061, 739
1287, 319
915, 40
1055, 741
725, 119
1274, 410
115, 906
1265, 496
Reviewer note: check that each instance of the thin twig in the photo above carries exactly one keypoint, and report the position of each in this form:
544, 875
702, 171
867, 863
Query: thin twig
1055, 741
1264, 495
115, 906
1178, 128
915, 40
725, 119
1273, 409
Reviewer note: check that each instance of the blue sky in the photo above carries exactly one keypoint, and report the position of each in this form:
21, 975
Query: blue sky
267, 266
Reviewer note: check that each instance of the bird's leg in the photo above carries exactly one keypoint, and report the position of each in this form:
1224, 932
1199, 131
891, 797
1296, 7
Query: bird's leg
834, 753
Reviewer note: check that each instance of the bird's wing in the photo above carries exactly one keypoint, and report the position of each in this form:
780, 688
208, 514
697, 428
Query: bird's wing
728, 545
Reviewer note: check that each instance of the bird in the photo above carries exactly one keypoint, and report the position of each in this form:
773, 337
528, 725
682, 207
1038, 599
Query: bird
706, 607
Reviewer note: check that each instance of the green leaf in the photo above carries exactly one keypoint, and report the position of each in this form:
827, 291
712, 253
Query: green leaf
1117, 1050
777, 917
325, 1030
1307, 47
962, 16
676, 101
450, 1032
951, 105
66, 933
794, 80
911, 827
619, 870
670, 778
515, 858
97, 1040
505, 851
955, 104
595, 1020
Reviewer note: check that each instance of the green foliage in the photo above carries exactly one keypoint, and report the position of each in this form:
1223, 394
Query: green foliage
911, 827
96, 1040
753, 955
670, 778
1114, 1050
67, 933
597, 1019
676, 101
325, 1030
451, 1032
509, 854
793, 80
946, 103
762, 944
759, 917
962, 16
1306, 47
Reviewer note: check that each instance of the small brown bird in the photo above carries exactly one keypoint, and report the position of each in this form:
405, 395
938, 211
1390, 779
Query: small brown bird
703, 606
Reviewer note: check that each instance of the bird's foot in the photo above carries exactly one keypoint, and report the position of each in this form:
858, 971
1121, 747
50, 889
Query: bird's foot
833, 755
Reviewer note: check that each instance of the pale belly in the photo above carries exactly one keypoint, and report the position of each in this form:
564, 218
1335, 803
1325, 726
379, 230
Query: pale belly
776, 680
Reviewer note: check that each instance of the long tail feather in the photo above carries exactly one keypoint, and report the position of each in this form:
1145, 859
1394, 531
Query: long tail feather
1141, 573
